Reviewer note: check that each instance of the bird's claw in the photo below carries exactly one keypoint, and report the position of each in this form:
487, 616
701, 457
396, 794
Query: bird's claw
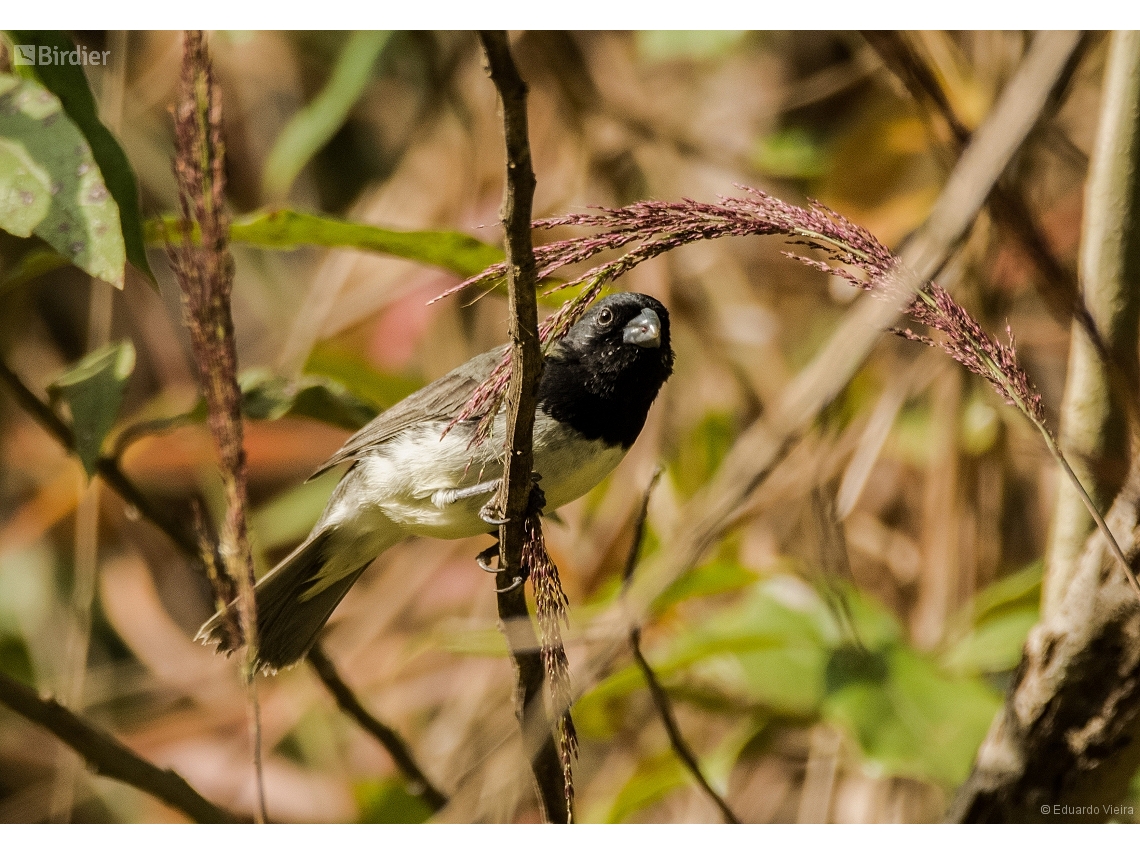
491, 515
483, 559
518, 580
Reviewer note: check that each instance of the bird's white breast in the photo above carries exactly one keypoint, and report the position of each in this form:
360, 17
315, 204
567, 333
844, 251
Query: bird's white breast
398, 480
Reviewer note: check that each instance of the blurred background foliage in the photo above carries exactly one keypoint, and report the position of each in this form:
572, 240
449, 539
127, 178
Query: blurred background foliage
814, 682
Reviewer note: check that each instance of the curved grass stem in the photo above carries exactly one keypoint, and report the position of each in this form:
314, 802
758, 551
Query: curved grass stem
1097, 516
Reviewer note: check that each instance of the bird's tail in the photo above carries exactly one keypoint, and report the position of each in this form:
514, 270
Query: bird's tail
287, 620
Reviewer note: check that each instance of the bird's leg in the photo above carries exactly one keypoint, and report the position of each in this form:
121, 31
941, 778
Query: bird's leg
443, 498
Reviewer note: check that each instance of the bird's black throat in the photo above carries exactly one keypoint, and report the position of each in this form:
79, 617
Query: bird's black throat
605, 393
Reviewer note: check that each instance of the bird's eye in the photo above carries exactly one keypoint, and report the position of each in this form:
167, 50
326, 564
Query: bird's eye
605, 317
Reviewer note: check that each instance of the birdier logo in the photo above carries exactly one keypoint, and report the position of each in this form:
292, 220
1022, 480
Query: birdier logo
49, 55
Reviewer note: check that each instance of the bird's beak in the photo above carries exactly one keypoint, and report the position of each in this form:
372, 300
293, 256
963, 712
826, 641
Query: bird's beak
644, 330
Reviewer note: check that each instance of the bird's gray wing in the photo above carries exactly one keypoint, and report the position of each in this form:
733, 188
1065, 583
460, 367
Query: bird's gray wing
439, 400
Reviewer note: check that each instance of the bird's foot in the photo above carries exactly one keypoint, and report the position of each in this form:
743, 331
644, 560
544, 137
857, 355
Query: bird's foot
483, 559
536, 502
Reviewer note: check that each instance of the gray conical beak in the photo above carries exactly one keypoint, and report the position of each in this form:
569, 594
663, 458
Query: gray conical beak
644, 330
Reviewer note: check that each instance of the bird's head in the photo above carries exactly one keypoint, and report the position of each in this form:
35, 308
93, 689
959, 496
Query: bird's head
607, 370
623, 344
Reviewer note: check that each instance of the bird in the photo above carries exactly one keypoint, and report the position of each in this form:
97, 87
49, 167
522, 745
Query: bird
415, 470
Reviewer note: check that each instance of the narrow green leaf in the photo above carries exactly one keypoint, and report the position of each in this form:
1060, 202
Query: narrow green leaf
1013, 592
311, 129
654, 779
68, 83
55, 174
359, 376
285, 229
36, 261
93, 391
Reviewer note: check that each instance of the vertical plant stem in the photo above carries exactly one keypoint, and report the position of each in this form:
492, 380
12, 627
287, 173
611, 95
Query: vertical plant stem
205, 273
1094, 429
513, 497
86, 563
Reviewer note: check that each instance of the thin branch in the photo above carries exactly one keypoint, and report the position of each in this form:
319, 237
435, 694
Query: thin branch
656, 690
108, 467
513, 498
676, 740
418, 782
106, 756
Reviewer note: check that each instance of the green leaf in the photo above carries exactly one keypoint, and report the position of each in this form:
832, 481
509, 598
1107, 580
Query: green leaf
285, 229
767, 651
719, 577
68, 83
52, 184
598, 713
25, 190
359, 376
388, 801
36, 261
699, 456
908, 716
991, 630
93, 391
267, 396
1016, 591
994, 645
311, 129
